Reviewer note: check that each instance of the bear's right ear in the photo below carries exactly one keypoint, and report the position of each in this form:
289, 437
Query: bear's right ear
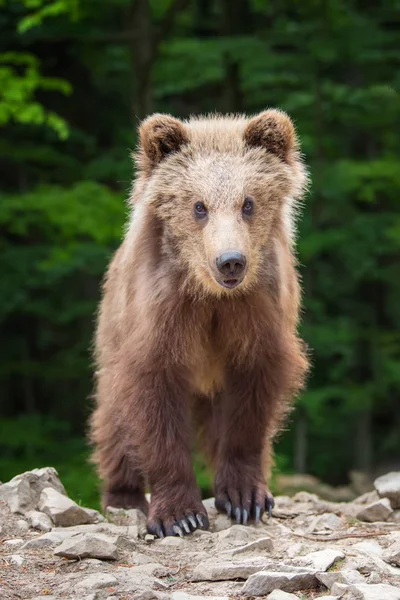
160, 135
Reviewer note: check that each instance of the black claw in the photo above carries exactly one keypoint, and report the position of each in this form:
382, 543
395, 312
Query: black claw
269, 511
185, 525
228, 509
200, 520
177, 530
159, 531
257, 513
245, 516
192, 521
238, 515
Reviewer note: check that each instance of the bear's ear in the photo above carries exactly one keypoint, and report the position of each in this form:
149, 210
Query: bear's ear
274, 131
161, 135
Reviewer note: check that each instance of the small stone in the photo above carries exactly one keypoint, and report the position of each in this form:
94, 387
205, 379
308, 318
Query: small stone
47, 540
281, 595
388, 486
392, 554
94, 515
173, 541
96, 582
237, 535
62, 510
185, 596
374, 578
338, 589
367, 498
328, 598
305, 497
366, 591
39, 520
377, 511
346, 577
213, 570
14, 542
131, 517
87, 546
322, 560
221, 523
261, 544
149, 538
23, 525
138, 558
325, 523
16, 559
264, 582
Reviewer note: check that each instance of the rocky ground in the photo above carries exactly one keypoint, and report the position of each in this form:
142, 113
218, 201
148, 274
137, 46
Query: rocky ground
51, 548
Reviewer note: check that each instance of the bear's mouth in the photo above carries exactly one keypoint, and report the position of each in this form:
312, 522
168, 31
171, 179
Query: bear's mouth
230, 283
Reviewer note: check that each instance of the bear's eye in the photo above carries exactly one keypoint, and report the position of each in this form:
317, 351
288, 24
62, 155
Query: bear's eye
200, 210
248, 207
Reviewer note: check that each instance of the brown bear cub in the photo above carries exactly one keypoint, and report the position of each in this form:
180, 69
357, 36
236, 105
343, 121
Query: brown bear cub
198, 323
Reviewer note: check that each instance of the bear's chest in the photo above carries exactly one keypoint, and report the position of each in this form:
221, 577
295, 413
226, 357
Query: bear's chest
207, 370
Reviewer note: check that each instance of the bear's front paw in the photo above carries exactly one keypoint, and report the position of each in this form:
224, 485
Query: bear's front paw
167, 517
242, 496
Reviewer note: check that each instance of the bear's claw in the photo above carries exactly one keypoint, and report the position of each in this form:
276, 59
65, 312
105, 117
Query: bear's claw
180, 527
254, 508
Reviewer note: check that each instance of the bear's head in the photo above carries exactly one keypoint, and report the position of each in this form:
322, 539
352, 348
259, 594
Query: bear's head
221, 190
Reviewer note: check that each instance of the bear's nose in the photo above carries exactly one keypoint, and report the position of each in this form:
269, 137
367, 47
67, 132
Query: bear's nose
231, 264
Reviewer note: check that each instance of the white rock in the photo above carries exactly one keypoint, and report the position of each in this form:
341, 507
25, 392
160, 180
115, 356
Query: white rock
378, 591
39, 520
131, 517
264, 543
23, 525
94, 515
138, 558
329, 598
264, 582
185, 596
96, 582
237, 535
325, 523
215, 570
392, 554
14, 542
377, 511
16, 559
173, 541
338, 589
367, 498
87, 546
281, 595
221, 523
23, 491
322, 560
47, 540
347, 577
305, 497
149, 538
62, 510
388, 486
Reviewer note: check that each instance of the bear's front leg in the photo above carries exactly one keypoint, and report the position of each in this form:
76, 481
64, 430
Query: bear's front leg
247, 421
161, 423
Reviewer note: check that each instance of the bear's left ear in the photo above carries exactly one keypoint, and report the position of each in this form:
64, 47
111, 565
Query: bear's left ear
161, 135
274, 131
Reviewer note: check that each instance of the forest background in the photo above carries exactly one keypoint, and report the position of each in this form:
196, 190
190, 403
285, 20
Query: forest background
76, 77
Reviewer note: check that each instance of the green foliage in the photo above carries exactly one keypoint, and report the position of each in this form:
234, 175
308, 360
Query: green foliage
70, 73
20, 80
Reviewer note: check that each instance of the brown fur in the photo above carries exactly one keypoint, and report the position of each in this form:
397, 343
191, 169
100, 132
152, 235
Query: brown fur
176, 350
